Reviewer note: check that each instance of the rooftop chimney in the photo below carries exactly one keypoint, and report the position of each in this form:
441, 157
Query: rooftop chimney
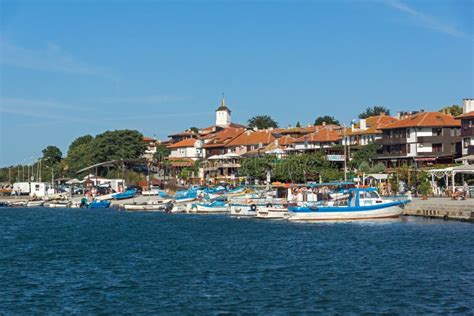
468, 105
324, 124
363, 124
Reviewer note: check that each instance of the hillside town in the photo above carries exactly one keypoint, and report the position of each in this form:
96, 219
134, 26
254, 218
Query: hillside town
394, 153
415, 139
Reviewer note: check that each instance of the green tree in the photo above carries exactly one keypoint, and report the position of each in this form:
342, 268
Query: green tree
162, 152
365, 154
262, 122
52, 155
374, 111
79, 155
454, 110
82, 140
326, 119
298, 124
118, 144
194, 129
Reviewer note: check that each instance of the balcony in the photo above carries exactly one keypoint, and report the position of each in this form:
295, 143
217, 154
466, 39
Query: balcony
438, 139
392, 141
470, 150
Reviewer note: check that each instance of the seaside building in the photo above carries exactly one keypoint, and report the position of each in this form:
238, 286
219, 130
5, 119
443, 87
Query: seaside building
366, 131
250, 140
423, 138
322, 139
467, 127
191, 148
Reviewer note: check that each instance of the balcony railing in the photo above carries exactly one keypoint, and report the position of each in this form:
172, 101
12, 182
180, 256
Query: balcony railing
467, 131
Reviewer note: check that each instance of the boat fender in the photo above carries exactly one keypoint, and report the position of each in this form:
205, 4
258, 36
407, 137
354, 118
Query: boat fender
253, 207
269, 205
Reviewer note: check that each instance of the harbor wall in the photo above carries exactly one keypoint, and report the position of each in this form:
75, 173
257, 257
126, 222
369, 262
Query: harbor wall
444, 208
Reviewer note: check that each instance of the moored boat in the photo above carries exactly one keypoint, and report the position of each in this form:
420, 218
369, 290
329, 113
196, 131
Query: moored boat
272, 212
215, 207
96, 204
34, 203
124, 195
361, 204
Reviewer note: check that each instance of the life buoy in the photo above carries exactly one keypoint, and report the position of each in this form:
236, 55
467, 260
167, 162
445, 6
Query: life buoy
253, 207
269, 205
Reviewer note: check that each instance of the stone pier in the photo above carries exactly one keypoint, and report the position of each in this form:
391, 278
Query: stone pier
444, 208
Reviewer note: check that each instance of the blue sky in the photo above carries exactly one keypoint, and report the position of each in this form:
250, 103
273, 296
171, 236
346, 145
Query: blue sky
70, 68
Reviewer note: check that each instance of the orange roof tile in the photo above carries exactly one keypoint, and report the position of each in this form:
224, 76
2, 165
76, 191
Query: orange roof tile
223, 137
188, 142
324, 135
465, 115
374, 123
424, 119
285, 140
252, 138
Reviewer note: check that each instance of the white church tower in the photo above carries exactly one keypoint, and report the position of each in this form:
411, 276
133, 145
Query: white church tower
223, 115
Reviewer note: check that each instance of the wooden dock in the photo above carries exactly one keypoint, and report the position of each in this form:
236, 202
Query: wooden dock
445, 208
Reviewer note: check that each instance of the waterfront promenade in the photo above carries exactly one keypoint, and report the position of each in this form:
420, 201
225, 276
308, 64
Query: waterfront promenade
440, 207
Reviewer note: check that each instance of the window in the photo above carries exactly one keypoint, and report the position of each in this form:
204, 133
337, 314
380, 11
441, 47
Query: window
408, 148
437, 131
437, 148
408, 133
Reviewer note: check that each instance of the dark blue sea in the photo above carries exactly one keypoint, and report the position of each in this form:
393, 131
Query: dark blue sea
55, 261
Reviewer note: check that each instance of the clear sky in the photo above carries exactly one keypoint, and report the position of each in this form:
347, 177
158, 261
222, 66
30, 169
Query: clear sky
70, 68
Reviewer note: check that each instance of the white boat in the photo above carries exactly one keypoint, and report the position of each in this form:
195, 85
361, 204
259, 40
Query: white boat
149, 206
105, 197
272, 212
362, 204
34, 203
58, 204
216, 207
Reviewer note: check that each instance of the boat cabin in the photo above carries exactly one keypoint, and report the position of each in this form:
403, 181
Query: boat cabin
363, 197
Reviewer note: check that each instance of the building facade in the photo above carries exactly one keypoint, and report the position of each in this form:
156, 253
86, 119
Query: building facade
423, 138
467, 127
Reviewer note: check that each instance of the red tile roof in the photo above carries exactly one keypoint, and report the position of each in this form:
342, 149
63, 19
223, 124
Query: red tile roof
374, 123
465, 115
324, 135
253, 138
285, 140
188, 142
425, 119
220, 139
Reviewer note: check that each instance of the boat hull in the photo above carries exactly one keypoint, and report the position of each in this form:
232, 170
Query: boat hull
345, 213
272, 213
210, 210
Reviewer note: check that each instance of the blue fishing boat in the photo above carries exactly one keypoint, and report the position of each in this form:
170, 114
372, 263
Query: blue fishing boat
218, 206
99, 204
124, 195
358, 204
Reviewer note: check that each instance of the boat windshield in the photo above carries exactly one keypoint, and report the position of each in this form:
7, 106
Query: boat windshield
369, 195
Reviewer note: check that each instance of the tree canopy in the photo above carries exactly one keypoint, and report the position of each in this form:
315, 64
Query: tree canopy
454, 110
326, 119
262, 122
374, 111
364, 155
161, 152
52, 155
118, 144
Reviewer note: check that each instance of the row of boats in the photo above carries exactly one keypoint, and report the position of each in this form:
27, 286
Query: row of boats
341, 203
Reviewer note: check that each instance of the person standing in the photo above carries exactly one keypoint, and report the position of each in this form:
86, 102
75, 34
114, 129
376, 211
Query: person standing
465, 188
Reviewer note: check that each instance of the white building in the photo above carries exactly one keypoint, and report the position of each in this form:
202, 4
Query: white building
188, 148
223, 117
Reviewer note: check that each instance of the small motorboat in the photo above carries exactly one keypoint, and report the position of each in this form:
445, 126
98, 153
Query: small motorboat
361, 204
34, 203
215, 207
99, 204
148, 206
124, 195
272, 212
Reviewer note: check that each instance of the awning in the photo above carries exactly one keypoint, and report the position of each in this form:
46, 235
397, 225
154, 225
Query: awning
425, 159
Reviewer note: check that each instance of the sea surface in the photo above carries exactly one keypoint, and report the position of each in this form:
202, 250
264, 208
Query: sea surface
55, 261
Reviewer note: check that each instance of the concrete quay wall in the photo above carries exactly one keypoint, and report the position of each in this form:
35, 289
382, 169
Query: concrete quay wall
445, 208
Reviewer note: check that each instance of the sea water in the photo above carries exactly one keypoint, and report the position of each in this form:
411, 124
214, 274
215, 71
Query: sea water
108, 261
